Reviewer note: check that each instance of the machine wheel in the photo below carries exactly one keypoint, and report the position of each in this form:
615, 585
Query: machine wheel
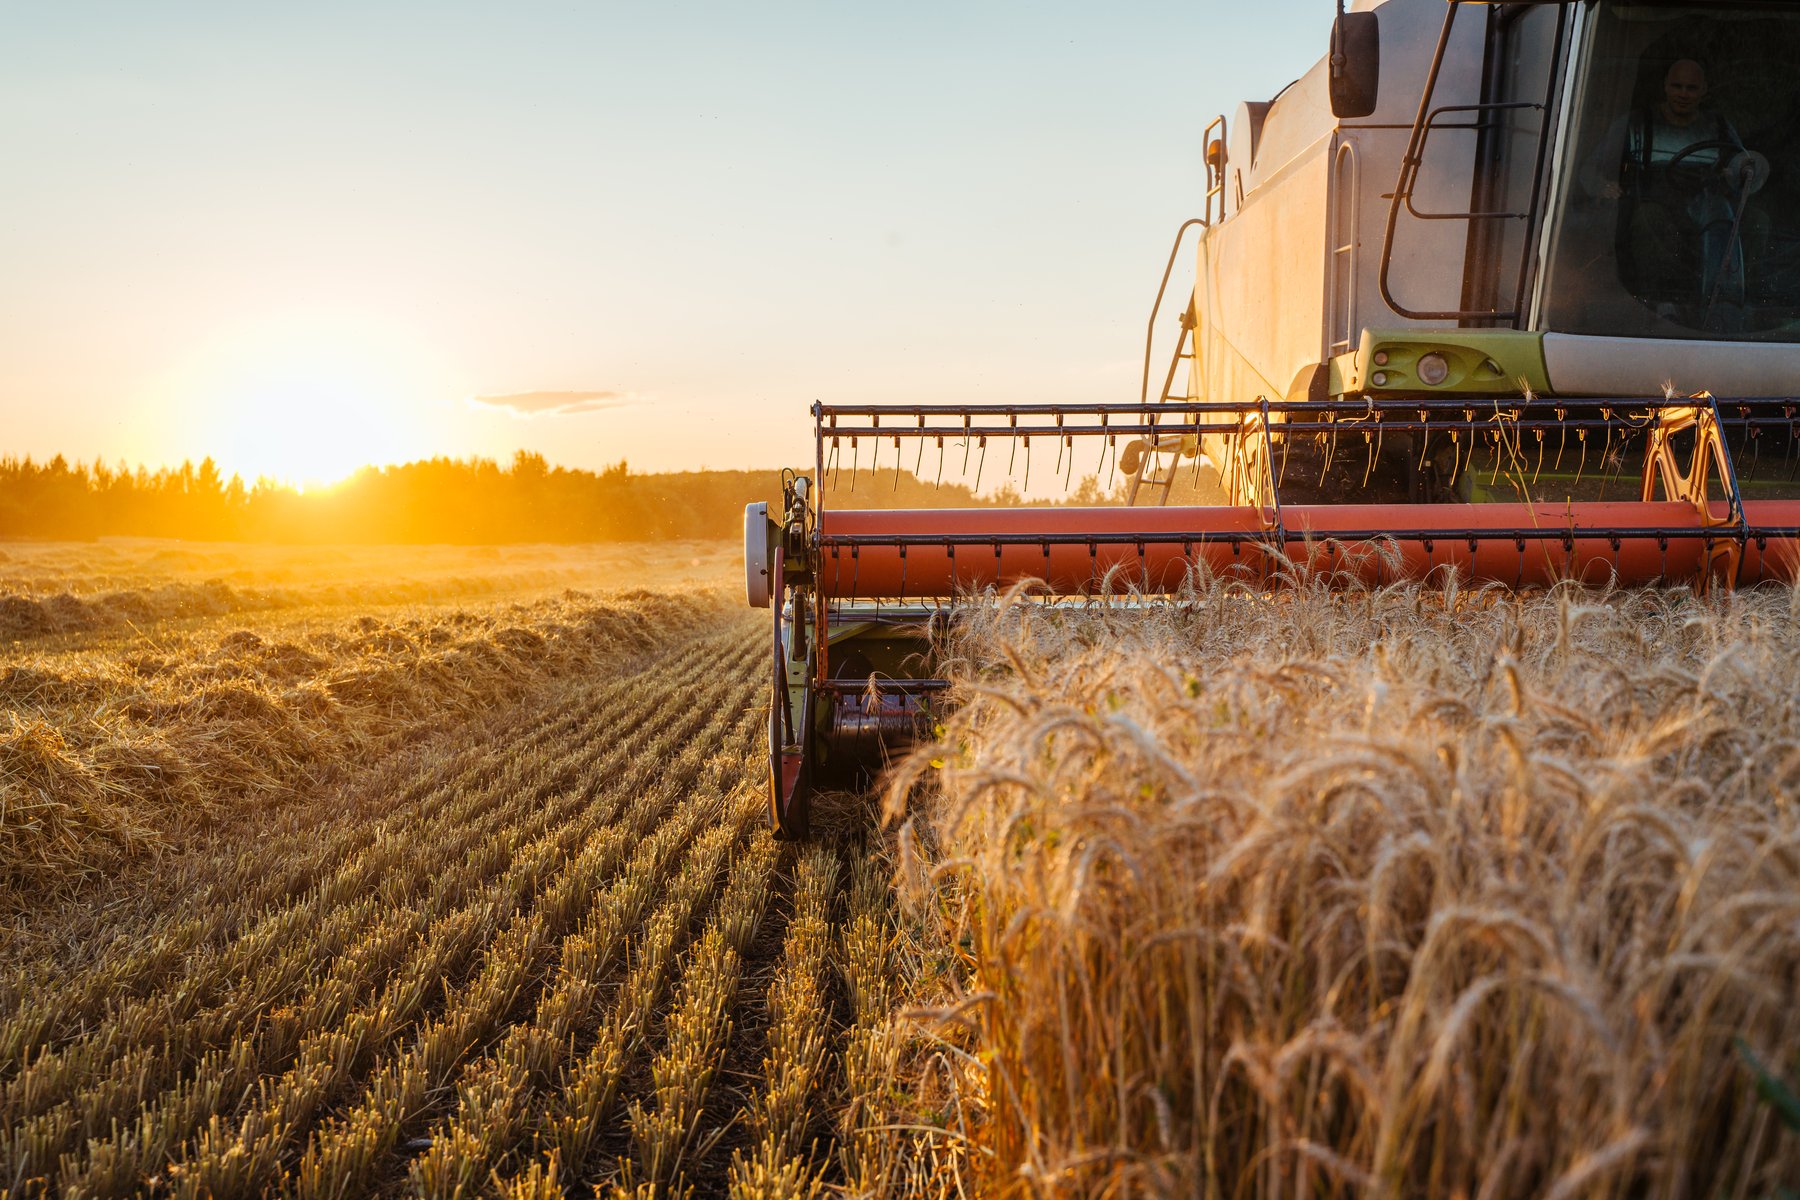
790, 777
790, 785
791, 746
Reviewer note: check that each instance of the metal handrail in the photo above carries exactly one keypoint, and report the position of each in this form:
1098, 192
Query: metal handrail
1347, 200
1156, 308
1215, 176
1431, 122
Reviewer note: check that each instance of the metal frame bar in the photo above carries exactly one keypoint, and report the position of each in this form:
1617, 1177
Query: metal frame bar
1427, 403
901, 687
1491, 414
1538, 183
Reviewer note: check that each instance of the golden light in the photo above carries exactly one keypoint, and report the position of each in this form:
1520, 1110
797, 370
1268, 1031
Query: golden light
310, 399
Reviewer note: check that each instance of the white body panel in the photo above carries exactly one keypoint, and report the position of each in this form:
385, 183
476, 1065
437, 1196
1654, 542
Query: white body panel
1268, 309
1582, 364
1262, 285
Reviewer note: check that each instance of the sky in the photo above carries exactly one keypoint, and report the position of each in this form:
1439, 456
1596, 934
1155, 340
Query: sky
303, 237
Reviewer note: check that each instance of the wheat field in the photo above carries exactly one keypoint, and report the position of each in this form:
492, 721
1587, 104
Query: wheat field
1382, 893
463, 888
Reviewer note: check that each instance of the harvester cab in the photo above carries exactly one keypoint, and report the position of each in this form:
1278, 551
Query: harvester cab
1504, 290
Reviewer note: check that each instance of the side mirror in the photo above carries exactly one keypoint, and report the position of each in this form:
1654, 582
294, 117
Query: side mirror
1355, 64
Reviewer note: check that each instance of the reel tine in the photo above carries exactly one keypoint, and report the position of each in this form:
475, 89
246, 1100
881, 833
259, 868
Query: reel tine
896, 462
1369, 466
1581, 467
1064, 442
855, 452
940, 471
1606, 450
1198, 452
1540, 457
1239, 439
1469, 418
1112, 442
966, 441
920, 459
1329, 443
1027, 440
1012, 454
1793, 442
980, 462
1424, 438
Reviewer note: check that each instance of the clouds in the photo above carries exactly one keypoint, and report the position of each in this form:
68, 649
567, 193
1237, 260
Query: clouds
554, 404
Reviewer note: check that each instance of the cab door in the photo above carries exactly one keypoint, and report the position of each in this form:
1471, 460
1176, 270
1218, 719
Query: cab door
1521, 88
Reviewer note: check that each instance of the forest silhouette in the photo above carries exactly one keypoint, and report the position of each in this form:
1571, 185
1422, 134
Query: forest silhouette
440, 500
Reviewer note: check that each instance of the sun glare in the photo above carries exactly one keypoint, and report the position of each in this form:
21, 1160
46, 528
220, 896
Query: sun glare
309, 401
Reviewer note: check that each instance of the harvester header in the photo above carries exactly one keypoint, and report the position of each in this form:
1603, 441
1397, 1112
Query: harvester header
1660, 525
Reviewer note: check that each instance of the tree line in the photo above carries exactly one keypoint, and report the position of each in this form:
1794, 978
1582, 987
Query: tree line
463, 501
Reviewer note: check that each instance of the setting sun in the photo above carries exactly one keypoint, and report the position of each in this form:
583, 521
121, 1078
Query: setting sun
310, 400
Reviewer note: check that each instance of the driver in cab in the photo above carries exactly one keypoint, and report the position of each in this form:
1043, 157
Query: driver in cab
1680, 175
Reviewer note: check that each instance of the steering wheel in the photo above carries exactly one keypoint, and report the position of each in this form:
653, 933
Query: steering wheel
1698, 171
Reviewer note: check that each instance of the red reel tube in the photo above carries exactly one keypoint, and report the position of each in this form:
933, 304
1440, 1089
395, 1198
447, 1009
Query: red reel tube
939, 552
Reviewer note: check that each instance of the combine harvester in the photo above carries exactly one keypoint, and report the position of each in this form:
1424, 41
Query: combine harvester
1510, 290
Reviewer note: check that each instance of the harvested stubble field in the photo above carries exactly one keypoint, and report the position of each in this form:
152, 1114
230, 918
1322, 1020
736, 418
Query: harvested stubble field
1395, 893
118, 584
450, 900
